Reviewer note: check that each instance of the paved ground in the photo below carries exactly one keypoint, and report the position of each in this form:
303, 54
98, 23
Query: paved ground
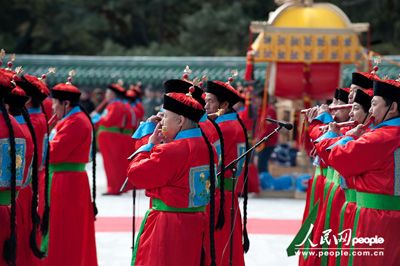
272, 223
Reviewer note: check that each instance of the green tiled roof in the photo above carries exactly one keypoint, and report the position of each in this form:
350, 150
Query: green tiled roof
96, 71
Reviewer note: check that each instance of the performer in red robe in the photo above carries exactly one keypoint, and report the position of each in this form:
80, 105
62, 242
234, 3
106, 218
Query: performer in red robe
342, 213
13, 163
38, 91
370, 161
71, 231
28, 219
220, 98
114, 138
179, 192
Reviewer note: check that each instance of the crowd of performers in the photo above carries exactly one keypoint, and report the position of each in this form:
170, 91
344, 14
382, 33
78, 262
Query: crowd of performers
179, 156
352, 212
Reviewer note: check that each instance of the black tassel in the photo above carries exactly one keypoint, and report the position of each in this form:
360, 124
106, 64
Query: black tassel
34, 204
221, 215
246, 241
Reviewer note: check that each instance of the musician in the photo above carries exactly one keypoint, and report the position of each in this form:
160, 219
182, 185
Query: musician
220, 98
361, 80
369, 160
173, 230
321, 185
71, 238
38, 91
339, 195
13, 144
29, 252
114, 130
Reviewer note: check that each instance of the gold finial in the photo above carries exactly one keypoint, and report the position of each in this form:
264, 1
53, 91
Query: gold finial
186, 72
19, 70
10, 63
51, 70
2, 55
70, 75
234, 74
120, 82
196, 81
377, 60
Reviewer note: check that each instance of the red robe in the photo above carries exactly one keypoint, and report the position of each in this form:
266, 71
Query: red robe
115, 143
234, 145
71, 231
370, 162
170, 237
22, 154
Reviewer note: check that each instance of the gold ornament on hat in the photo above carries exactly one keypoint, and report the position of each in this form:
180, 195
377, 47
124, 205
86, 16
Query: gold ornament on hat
234, 74
10, 63
377, 60
195, 82
2, 55
186, 72
70, 75
51, 70
18, 72
120, 82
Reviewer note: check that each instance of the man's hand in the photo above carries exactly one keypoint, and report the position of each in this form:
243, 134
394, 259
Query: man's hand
157, 137
334, 128
357, 131
312, 113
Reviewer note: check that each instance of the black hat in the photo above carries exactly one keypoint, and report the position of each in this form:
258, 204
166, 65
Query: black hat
6, 81
67, 92
336, 96
17, 98
343, 94
389, 89
224, 92
183, 104
363, 79
34, 87
182, 86
117, 88
364, 97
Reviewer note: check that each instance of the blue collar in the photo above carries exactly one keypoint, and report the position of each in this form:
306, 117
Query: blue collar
35, 110
395, 122
226, 117
203, 118
241, 109
74, 110
20, 119
189, 133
